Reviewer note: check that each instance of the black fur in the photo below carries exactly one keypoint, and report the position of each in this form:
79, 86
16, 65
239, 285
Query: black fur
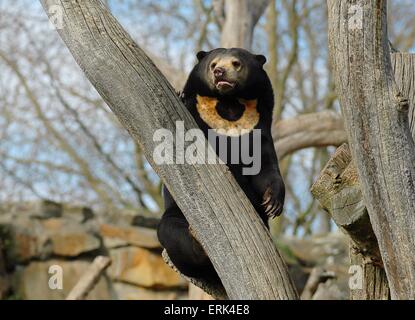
173, 232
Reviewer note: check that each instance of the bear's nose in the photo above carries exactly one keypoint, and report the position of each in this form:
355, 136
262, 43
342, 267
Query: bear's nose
219, 72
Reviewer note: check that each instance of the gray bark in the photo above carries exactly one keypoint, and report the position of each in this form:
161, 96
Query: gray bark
376, 120
241, 17
221, 216
403, 65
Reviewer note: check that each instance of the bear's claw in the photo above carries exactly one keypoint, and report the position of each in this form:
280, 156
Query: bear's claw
273, 207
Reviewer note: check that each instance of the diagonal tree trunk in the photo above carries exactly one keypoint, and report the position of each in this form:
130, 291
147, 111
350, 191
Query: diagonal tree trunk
220, 214
376, 120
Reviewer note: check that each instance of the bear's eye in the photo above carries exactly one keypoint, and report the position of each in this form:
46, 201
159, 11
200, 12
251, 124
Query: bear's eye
213, 65
236, 64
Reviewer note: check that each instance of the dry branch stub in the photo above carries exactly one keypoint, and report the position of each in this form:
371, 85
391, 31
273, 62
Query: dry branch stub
339, 193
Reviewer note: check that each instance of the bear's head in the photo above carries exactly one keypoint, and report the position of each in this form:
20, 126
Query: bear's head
229, 72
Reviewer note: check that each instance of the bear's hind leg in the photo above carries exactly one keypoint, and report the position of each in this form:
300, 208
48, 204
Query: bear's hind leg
183, 249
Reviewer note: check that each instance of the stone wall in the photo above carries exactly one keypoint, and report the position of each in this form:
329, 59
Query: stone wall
39, 235
36, 236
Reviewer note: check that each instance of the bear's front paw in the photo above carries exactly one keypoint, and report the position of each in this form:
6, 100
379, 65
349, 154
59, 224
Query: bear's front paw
273, 203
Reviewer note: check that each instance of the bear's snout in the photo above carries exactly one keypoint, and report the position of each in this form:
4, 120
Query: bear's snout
219, 72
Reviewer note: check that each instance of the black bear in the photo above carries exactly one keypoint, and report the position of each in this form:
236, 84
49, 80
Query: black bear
228, 91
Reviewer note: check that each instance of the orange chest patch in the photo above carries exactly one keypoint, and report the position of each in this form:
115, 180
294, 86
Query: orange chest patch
207, 109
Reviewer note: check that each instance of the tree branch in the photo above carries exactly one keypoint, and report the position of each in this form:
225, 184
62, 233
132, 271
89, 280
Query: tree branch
89, 279
241, 18
320, 129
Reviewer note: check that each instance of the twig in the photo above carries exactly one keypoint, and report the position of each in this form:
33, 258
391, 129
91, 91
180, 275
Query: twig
318, 275
89, 279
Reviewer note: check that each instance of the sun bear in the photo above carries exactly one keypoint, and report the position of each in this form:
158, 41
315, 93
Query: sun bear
227, 91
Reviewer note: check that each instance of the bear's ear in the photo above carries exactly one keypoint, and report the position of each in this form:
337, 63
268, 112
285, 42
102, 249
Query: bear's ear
261, 59
201, 54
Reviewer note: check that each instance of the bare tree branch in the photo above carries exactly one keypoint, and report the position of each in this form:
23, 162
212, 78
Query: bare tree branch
320, 129
89, 279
